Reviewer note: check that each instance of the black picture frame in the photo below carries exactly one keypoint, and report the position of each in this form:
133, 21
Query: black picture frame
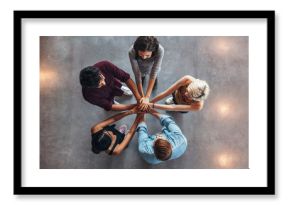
19, 189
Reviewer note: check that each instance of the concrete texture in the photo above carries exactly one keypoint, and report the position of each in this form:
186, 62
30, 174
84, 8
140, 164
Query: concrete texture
217, 135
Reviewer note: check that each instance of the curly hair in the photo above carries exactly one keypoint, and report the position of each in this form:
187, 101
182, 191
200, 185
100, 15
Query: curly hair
146, 43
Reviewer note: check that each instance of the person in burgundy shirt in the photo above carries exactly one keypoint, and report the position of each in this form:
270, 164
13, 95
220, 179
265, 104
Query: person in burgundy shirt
101, 83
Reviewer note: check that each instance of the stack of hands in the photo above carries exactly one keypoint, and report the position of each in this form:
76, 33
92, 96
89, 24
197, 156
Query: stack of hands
142, 107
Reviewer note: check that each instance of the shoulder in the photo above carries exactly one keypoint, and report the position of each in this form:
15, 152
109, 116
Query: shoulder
107, 66
95, 129
160, 50
184, 81
131, 51
177, 138
103, 64
187, 79
180, 147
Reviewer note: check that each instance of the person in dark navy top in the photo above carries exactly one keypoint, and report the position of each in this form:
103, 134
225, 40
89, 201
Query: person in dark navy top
106, 138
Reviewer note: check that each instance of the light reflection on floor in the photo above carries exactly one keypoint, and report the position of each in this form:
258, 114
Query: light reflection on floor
225, 160
48, 77
224, 109
222, 45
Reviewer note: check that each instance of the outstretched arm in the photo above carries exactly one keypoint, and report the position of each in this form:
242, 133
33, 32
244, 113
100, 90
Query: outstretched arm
155, 113
140, 89
130, 83
155, 70
129, 136
166, 121
150, 87
185, 80
196, 106
136, 70
112, 119
122, 107
145, 100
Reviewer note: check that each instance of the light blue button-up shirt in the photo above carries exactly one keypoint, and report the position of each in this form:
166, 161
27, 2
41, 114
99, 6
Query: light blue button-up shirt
172, 133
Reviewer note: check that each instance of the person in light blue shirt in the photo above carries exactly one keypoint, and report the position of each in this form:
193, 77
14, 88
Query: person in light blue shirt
167, 145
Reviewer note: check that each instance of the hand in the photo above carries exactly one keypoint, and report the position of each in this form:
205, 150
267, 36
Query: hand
140, 100
140, 111
145, 100
145, 105
134, 110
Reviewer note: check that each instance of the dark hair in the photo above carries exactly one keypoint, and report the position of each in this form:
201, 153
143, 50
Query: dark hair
90, 77
101, 141
162, 149
146, 43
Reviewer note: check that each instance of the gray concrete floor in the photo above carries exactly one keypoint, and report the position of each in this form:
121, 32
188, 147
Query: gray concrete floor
217, 135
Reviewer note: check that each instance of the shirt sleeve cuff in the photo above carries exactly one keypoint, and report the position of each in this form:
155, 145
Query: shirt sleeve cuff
164, 119
127, 77
142, 124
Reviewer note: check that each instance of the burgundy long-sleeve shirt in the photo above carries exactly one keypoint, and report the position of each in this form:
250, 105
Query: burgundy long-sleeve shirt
104, 96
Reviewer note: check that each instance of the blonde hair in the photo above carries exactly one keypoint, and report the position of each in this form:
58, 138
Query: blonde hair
198, 90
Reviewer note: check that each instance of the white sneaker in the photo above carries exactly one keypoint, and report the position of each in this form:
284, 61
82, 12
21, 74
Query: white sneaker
123, 129
116, 102
169, 101
126, 91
